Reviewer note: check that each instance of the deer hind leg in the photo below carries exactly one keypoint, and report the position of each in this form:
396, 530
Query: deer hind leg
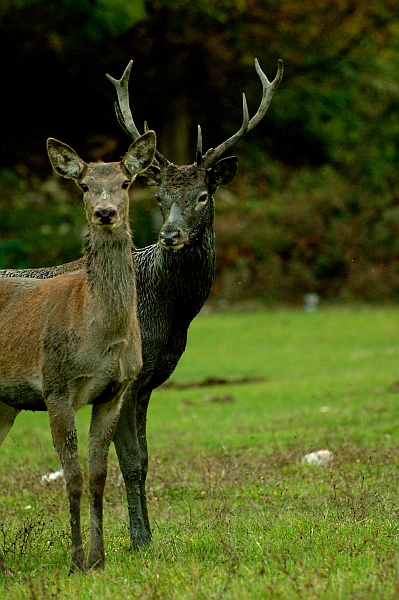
3, 567
63, 430
7, 418
128, 450
142, 407
103, 422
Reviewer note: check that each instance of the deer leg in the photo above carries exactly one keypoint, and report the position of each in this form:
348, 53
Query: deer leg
63, 430
128, 451
7, 418
103, 422
142, 407
4, 570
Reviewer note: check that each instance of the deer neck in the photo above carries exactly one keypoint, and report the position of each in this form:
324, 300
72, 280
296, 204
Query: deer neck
111, 276
181, 280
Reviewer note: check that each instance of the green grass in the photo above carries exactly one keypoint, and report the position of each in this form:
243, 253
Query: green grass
235, 513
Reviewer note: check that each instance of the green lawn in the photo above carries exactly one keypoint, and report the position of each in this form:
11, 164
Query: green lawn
235, 513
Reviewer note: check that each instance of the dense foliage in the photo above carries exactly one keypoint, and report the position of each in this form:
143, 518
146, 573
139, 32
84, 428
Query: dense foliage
315, 207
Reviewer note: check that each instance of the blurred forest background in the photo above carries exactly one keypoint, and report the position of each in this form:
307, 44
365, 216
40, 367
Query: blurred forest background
315, 205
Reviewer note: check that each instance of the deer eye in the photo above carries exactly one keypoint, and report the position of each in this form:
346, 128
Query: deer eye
125, 184
203, 198
83, 187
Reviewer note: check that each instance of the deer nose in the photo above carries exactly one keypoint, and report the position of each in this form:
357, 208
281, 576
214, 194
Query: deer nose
169, 238
105, 215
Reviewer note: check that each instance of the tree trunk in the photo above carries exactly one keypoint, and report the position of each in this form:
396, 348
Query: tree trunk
175, 135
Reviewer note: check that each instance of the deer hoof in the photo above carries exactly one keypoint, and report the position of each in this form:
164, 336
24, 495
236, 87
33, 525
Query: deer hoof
78, 563
96, 562
4, 570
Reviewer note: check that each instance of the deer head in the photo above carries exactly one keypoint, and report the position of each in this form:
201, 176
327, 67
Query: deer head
185, 193
105, 186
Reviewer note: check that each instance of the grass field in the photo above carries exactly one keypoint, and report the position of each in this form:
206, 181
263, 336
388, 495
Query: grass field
234, 511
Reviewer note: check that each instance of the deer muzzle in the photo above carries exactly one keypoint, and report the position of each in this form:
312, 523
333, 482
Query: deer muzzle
172, 238
172, 235
105, 215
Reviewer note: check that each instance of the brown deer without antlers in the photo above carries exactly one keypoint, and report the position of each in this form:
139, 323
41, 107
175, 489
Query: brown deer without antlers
75, 339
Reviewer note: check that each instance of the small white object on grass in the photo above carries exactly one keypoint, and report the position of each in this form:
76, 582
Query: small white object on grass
322, 458
48, 477
311, 302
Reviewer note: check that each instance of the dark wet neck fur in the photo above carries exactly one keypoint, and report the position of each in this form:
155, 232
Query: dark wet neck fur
181, 279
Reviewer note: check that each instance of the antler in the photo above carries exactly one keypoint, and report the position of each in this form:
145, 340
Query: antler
124, 114
122, 109
213, 154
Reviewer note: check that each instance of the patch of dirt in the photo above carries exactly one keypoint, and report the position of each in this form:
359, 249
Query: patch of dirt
394, 388
209, 382
216, 398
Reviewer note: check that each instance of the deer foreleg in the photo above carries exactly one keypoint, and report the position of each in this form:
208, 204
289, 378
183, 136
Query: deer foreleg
103, 422
63, 430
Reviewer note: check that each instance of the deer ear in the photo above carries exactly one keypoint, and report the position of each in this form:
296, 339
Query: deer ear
140, 154
64, 160
223, 172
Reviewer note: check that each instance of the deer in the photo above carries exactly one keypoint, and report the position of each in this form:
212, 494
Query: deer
74, 340
174, 279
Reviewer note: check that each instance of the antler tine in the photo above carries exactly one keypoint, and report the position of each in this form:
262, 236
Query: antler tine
198, 158
159, 160
268, 90
245, 116
123, 112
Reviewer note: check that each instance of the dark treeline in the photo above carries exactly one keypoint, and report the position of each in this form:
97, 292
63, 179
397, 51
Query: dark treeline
315, 206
